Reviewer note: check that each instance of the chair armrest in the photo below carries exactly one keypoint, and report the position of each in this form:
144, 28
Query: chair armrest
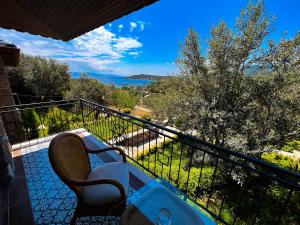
96, 182
108, 149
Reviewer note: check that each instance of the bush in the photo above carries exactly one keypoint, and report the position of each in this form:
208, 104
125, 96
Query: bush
215, 183
57, 120
282, 161
127, 110
124, 99
146, 117
30, 123
292, 145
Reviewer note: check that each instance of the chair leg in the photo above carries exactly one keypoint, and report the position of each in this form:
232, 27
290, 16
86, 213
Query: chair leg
75, 216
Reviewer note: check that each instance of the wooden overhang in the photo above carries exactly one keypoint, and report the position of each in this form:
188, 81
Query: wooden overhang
64, 19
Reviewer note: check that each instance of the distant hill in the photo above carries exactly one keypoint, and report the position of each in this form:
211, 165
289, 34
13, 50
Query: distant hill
145, 77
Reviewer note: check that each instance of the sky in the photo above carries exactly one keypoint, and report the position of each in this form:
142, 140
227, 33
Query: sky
147, 41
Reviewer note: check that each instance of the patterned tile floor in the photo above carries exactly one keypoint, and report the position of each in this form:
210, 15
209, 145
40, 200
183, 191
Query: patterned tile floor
52, 201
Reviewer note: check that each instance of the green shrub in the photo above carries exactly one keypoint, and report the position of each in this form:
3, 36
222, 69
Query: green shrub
282, 161
30, 123
127, 110
292, 145
57, 120
214, 184
146, 117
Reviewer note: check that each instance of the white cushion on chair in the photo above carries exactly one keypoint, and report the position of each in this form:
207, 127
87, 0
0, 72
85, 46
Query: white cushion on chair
106, 193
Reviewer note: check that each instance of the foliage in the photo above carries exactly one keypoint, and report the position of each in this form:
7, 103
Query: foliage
213, 184
155, 103
161, 96
110, 127
39, 77
146, 117
30, 123
124, 99
216, 95
87, 88
291, 146
57, 120
127, 110
283, 161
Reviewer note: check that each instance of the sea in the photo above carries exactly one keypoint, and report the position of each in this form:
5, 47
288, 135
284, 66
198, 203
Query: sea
117, 80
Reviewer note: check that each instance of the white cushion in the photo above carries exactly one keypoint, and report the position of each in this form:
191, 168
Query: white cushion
106, 193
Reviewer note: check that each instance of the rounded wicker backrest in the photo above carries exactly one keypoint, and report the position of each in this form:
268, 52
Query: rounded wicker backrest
69, 158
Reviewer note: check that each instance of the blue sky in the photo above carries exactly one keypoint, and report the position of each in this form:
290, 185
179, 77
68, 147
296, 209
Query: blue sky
147, 41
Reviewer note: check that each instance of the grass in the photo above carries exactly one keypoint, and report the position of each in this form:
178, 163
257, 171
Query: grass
282, 161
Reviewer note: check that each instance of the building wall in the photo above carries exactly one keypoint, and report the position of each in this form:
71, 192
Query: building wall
11, 120
6, 97
3, 162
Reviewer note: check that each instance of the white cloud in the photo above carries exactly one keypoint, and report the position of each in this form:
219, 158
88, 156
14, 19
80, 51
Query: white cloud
120, 27
97, 42
138, 25
133, 53
125, 44
141, 25
97, 50
133, 25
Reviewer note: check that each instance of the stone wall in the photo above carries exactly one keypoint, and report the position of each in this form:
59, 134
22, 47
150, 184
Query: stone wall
12, 122
6, 97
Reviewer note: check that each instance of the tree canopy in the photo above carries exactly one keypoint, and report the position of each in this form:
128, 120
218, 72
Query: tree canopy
238, 94
87, 88
39, 77
124, 99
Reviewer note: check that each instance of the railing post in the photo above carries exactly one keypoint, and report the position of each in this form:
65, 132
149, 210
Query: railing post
81, 106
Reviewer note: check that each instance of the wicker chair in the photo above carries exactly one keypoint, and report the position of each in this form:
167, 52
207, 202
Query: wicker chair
98, 191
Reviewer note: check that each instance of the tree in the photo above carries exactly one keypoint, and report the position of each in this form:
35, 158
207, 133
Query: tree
87, 88
277, 89
39, 77
160, 97
123, 99
190, 60
218, 97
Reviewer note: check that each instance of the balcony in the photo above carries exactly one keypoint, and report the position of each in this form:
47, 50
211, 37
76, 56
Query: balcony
233, 188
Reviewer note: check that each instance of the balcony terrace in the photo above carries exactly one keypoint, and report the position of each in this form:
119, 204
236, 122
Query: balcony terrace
233, 188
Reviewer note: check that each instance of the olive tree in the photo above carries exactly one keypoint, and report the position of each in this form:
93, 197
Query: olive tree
218, 96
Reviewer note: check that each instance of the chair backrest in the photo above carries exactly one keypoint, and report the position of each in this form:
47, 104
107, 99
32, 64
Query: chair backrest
69, 159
